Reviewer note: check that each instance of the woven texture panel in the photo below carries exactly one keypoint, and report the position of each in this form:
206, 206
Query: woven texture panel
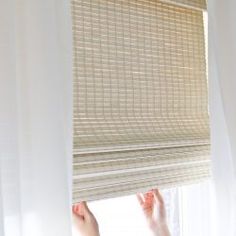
195, 4
140, 97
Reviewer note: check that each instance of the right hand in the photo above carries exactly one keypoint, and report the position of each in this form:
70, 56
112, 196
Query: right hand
153, 208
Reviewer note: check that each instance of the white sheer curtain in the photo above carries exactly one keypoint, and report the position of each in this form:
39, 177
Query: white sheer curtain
35, 118
222, 83
35, 115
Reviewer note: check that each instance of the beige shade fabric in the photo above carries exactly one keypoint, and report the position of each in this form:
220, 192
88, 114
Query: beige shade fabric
140, 97
195, 4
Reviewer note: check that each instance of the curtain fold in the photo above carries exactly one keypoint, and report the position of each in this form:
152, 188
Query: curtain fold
222, 83
36, 118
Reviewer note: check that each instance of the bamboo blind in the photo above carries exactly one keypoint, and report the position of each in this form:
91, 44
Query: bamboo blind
140, 96
195, 4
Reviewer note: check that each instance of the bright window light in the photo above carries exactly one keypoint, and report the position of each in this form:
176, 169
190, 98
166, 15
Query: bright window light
188, 213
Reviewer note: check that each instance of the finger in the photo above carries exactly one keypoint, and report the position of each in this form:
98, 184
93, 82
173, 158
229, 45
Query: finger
158, 197
149, 193
84, 206
140, 199
148, 196
77, 208
74, 208
85, 209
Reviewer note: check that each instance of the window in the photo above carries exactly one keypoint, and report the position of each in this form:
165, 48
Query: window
189, 208
189, 213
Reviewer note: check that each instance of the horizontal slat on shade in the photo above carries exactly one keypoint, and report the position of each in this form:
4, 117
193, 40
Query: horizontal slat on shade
87, 182
122, 189
196, 4
140, 96
118, 161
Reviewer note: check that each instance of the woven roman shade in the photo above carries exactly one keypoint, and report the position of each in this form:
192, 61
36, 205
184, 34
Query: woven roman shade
140, 96
195, 4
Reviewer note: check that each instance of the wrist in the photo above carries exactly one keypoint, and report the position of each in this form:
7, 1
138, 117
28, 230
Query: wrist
161, 230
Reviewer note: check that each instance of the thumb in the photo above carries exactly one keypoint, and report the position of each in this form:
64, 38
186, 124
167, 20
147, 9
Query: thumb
160, 203
85, 209
157, 196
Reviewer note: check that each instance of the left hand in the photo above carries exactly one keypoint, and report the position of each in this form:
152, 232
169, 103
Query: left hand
84, 220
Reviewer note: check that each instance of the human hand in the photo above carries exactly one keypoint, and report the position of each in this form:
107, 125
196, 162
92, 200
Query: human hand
153, 207
84, 220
